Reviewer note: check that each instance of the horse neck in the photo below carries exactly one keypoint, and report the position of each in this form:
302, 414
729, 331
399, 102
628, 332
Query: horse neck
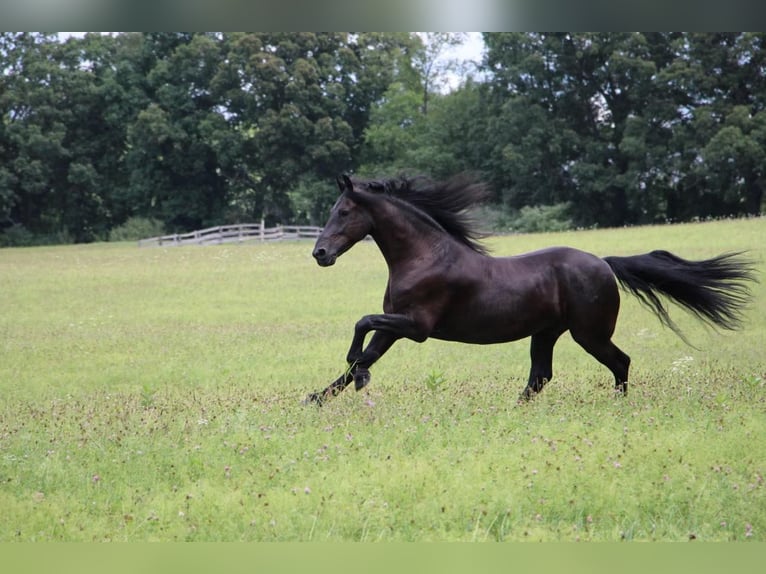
403, 236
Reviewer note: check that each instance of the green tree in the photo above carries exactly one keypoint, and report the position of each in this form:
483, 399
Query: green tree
63, 132
303, 100
196, 129
432, 64
394, 133
49, 139
172, 150
31, 133
628, 128
727, 91
418, 125
577, 117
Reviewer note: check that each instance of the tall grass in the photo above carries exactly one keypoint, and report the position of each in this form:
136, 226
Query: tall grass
155, 394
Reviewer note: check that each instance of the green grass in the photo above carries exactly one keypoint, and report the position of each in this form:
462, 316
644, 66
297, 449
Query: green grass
154, 394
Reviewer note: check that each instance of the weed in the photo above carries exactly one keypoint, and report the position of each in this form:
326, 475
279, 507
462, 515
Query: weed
753, 382
147, 396
434, 380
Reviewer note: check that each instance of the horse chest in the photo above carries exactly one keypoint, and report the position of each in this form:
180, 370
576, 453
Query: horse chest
408, 298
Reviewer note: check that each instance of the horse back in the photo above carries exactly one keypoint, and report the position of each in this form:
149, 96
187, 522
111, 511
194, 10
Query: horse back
565, 276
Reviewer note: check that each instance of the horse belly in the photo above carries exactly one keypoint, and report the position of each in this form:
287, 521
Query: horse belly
480, 334
497, 319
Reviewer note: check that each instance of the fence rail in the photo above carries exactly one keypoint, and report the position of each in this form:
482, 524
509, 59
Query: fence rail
234, 234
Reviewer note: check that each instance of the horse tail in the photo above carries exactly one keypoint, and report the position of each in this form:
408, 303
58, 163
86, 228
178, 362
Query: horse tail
715, 290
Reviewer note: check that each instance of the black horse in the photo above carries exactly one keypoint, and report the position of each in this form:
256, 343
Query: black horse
443, 284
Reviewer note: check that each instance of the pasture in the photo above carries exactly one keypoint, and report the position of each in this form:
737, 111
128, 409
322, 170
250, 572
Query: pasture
155, 395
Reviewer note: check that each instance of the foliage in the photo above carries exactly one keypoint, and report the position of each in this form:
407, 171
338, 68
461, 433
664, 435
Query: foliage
627, 128
17, 235
541, 218
189, 128
155, 395
137, 228
401, 138
197, 129
311, 200
528, 219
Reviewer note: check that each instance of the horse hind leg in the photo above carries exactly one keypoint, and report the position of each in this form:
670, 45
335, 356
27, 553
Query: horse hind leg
541, 355
609, 355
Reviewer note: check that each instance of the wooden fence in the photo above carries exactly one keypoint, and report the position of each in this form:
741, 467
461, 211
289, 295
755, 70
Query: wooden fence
234, 234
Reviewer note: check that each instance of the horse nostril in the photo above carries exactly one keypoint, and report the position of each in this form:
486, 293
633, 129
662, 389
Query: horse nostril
320, 252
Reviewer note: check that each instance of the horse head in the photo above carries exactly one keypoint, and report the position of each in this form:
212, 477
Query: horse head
349, 222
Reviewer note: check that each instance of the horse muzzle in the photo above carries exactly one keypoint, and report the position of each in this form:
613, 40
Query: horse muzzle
323, 258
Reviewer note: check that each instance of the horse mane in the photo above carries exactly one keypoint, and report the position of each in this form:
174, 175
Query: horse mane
444, 203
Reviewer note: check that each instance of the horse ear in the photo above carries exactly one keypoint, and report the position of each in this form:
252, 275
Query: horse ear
341, 185
347, 182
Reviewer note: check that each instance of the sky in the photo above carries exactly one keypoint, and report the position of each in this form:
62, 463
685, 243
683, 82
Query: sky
470, 51
472, 48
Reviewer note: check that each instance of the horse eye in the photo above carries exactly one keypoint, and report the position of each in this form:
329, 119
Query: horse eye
343, 212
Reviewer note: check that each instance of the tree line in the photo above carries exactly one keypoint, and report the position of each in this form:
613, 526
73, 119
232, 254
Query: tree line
188, 130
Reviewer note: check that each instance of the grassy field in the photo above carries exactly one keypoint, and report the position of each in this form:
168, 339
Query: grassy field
155, 394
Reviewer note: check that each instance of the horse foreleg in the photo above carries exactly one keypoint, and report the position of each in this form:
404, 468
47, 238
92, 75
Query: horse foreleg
380, 342
541, 354
396, 326
388, 328
358, 369
333, 389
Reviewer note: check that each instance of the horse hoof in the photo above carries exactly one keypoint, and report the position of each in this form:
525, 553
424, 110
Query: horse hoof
313, 399
361, 379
